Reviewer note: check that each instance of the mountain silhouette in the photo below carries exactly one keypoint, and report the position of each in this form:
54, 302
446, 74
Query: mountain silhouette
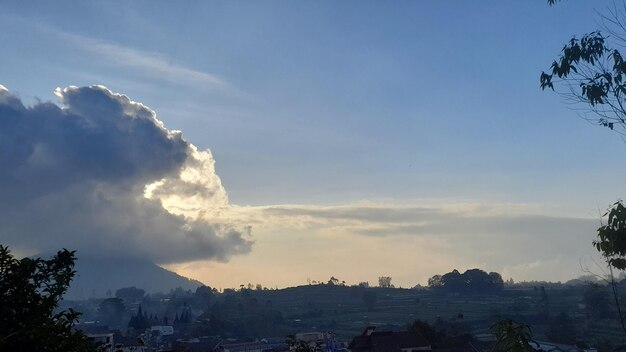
95, 276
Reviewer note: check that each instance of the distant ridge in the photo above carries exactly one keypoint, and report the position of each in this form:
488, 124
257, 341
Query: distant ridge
96, 275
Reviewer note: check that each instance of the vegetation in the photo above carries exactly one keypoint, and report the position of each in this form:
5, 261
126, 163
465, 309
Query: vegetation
564, 313
593, 71
384, 282
513, 336
130, 294
470, 282
30, 290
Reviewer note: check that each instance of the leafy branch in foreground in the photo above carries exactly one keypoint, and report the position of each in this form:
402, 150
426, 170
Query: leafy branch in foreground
611, 243
513, 336
30, 290
593, 72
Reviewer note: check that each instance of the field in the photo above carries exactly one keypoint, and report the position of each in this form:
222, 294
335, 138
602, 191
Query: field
343, 310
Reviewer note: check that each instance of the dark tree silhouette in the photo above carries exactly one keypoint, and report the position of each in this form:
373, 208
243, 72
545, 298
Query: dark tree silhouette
30, 290
130, 294
471, 281
512, 336
592, 72
385, 282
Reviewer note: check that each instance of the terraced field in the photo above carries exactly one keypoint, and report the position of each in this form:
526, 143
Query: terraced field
343, 310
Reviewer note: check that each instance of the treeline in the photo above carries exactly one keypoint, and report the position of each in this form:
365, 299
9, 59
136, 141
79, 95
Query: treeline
470, 282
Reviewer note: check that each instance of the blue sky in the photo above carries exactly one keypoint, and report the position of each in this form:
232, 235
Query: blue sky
332, 103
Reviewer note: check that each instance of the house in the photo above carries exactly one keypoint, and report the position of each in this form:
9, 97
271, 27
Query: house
103, 340
161, 330
555, 347
388, 341
256, 346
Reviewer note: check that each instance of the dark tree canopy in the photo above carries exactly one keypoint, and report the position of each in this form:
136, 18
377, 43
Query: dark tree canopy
30, 290
430, 333
611, 240
512, 336
130, 294
471, 281
384, 282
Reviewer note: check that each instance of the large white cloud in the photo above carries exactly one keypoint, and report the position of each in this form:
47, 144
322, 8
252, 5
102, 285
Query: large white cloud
92, 173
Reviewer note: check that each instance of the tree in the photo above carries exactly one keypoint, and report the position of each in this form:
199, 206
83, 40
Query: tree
435, 282
296, 345
30, 290
130, 294
202, 298
139, 322
453, 281
512, 336
593, 72
385, 282
423, 328
496, 281
611, 243
471, 281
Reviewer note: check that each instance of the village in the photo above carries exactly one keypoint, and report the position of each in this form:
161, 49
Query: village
333, 316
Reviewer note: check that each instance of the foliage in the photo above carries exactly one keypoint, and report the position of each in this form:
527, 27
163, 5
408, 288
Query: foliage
423, 328
435, 282
594, 72
203, 297
139, 322
611, 241
513, 336
130, 294
296, 345
385, 282
471, 281
241, 314
30, 290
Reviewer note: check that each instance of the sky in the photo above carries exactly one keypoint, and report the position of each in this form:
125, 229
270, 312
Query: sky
278, 142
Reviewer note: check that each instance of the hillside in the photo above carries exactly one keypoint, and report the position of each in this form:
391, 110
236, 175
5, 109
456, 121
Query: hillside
96, 275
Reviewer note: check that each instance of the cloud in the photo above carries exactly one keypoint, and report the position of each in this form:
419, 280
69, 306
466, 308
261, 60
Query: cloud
149, 65
79, 176
408, 242
101, 174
